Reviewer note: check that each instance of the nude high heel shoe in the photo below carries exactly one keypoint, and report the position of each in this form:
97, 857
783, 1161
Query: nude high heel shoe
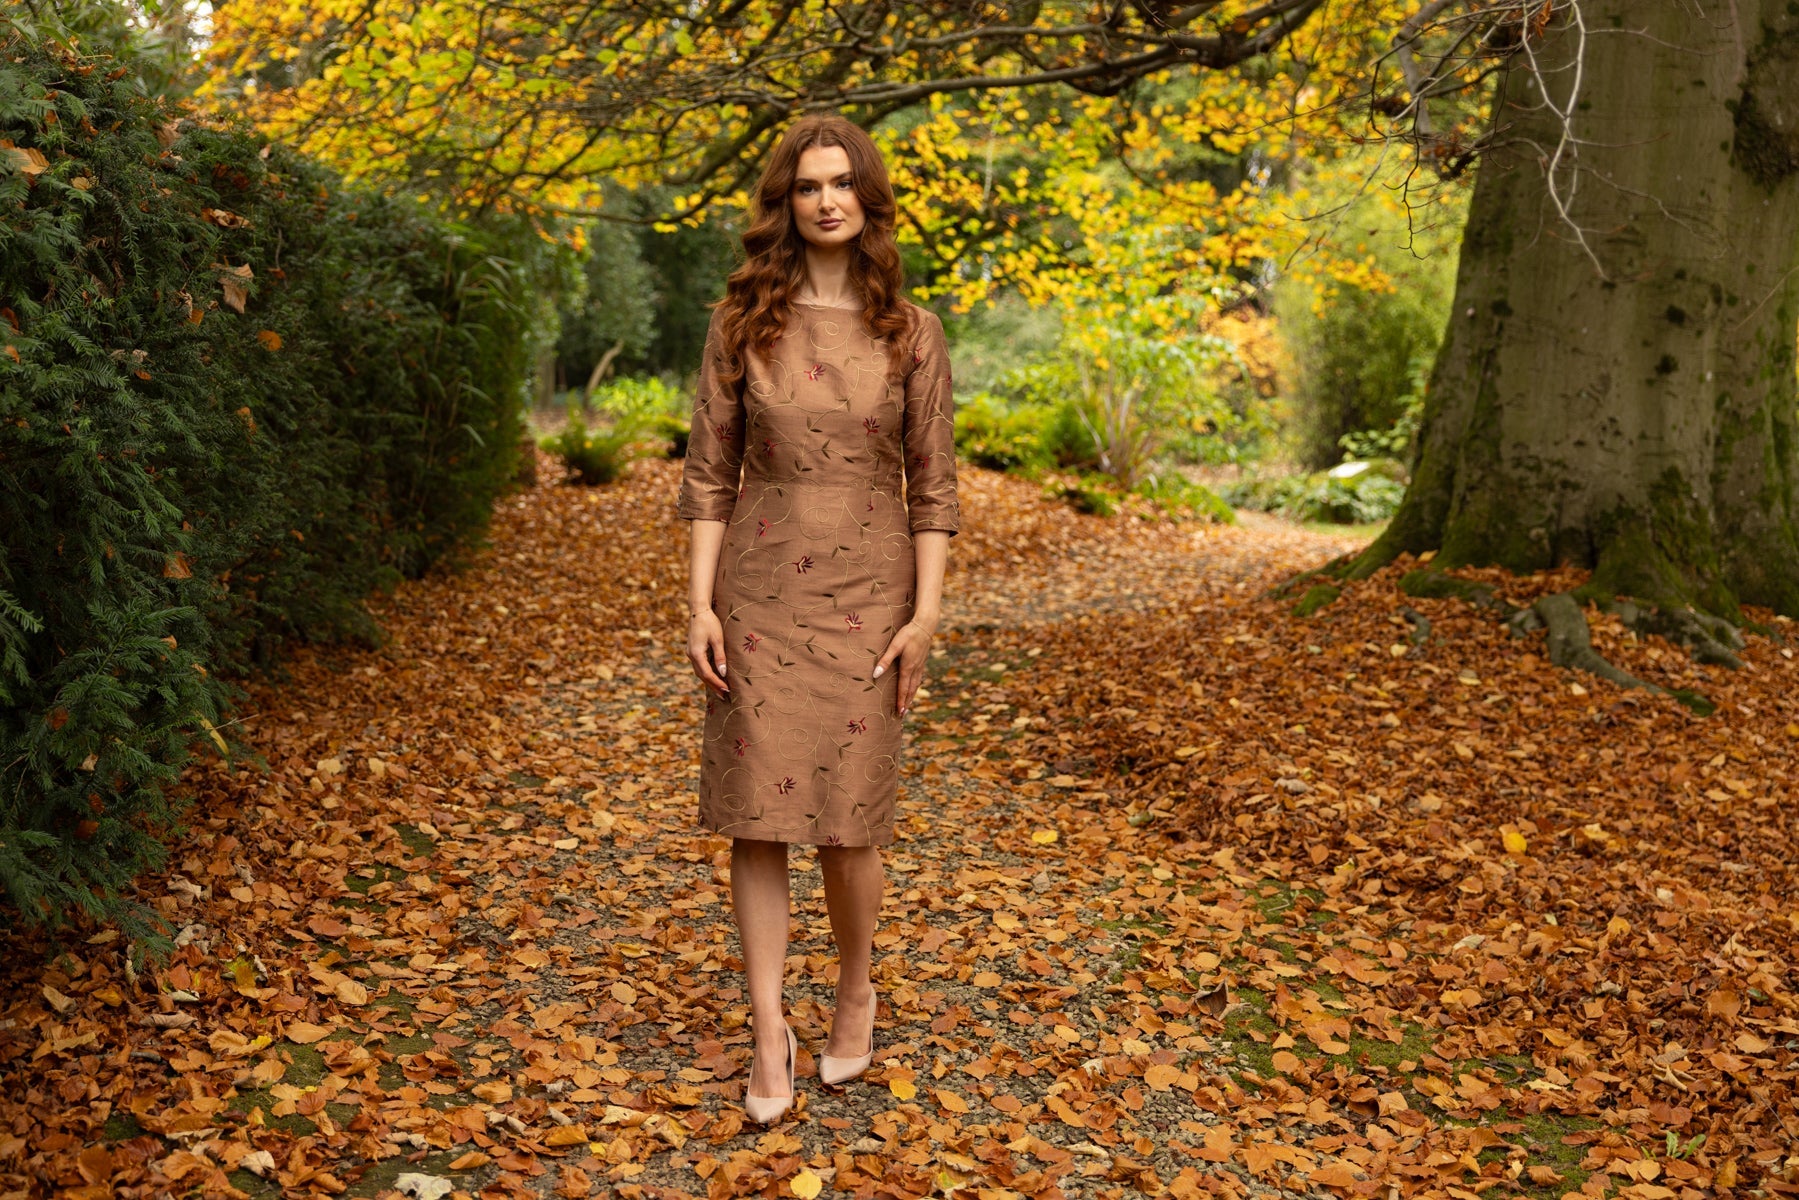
765, 1110
833, 1071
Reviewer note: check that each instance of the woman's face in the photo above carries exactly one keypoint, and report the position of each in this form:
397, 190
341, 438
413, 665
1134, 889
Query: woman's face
825, 207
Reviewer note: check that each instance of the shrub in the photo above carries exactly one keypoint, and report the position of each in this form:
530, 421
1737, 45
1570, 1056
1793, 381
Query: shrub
1340, 496
595, 456
641, 398
1357, 355
1176, 493
1005, 437
234, 397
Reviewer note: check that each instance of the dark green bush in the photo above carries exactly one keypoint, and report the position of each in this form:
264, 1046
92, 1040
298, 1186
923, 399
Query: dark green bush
235, 396
1358, 362
1006, 437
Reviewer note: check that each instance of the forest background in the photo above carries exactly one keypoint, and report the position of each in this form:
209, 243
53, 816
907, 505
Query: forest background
1196, 290
339, 271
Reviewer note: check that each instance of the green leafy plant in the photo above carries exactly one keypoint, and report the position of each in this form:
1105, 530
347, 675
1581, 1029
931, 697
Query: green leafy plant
1355, 355
1175, 493
235, 396
1370, 492
596, 456
1002, 436
1398, 440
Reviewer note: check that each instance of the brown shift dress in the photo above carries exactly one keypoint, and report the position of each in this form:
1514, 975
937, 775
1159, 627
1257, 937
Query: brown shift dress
817, 571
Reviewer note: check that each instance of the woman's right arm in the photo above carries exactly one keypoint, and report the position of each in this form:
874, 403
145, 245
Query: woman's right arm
710, 480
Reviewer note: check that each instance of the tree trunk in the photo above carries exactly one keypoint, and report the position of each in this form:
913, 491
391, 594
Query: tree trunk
1635, 415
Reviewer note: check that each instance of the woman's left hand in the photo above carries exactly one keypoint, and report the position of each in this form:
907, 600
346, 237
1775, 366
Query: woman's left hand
911, 646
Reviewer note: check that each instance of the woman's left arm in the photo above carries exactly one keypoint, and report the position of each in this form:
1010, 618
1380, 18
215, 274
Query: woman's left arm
933, 513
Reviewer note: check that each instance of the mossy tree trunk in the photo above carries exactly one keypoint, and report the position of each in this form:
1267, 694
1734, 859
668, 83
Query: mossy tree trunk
1634, 414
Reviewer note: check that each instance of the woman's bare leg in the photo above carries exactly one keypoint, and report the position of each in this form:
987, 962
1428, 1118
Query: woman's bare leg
854, 881
760, 896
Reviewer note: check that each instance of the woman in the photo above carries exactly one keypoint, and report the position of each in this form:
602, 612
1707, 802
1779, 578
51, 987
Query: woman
814, 584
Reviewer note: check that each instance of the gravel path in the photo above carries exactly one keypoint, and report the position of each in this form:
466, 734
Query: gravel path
1012, 1051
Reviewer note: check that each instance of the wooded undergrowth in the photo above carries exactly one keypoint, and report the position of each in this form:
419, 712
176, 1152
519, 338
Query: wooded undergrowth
236, 396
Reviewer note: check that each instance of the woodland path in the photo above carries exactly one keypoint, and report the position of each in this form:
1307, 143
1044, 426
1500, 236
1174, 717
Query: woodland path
465, 925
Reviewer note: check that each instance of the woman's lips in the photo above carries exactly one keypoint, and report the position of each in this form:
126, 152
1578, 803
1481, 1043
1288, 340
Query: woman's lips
831, 224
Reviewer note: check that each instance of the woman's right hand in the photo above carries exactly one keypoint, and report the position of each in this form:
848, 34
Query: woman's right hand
705, 646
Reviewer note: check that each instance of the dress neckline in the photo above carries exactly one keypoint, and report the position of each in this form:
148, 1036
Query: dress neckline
838, 307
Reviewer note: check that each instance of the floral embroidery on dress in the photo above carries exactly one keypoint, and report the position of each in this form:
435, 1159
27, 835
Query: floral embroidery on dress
778, 462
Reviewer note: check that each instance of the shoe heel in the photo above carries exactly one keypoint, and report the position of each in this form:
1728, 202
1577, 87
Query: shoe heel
765, 1110
833, 1071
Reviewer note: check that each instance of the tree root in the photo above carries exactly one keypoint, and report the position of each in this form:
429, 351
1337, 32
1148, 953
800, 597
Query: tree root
1707, 638
1316, 597
1329, 570
1571, 645
1435, 585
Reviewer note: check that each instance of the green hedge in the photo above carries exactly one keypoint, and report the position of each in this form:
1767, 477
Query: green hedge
235, 396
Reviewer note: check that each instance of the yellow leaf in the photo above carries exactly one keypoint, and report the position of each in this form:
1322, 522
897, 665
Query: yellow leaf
1162, 1077
27, 161
1514, 841
1044, 837
806, 1185
902, 1089
213, 733
566, 1135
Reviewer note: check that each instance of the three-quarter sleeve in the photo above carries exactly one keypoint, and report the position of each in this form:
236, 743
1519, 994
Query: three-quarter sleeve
712, 473
930, 432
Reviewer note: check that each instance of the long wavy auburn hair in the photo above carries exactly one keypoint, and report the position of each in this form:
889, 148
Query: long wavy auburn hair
760, 292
